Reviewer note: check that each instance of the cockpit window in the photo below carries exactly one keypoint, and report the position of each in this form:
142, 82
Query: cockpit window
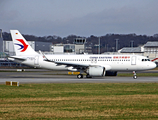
145, 60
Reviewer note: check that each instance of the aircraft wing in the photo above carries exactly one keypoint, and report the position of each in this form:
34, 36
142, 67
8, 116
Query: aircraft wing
72, 66
68, 64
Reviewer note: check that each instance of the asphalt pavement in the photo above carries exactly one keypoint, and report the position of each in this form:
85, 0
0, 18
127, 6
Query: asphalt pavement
46, 76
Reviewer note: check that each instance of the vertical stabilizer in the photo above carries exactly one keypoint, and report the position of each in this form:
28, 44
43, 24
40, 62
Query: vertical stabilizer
21, 46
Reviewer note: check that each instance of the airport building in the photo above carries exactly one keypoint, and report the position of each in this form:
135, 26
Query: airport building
1, 41
3, 55
131, 50
150, 49
57, 49
77, 48
80, 45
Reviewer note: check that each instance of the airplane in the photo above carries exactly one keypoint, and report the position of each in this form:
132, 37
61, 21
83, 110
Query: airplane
91, 64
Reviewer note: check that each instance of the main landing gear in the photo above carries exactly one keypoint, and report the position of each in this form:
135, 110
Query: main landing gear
79, 76
134, 75
88, 76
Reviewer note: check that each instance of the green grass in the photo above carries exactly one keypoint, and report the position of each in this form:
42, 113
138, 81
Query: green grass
80, 101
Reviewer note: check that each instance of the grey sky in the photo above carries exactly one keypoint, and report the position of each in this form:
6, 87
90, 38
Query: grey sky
79, 17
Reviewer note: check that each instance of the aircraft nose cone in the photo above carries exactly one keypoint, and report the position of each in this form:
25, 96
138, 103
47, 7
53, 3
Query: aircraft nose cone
153, 65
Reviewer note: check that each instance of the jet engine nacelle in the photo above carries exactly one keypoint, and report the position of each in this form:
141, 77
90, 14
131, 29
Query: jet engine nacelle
111, 73
96, 71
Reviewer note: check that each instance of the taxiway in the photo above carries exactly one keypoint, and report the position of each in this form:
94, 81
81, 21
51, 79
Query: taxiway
45, 76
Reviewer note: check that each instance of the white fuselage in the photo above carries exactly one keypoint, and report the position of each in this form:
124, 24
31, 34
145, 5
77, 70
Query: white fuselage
110, 62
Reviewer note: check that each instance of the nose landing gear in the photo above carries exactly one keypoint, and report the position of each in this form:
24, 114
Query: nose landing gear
134, 75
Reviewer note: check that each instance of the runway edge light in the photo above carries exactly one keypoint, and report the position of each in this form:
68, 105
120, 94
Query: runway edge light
11, 83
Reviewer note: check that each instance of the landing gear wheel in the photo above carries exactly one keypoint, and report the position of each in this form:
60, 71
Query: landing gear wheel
79, 76
135, 77
88, 76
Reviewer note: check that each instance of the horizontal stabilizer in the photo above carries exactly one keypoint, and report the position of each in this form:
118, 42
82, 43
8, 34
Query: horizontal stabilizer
17, 58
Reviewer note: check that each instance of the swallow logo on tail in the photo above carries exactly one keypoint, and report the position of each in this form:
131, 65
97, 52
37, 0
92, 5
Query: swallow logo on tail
23, 46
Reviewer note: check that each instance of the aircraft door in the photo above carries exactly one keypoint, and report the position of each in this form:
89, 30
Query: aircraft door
133, 60
36, 62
